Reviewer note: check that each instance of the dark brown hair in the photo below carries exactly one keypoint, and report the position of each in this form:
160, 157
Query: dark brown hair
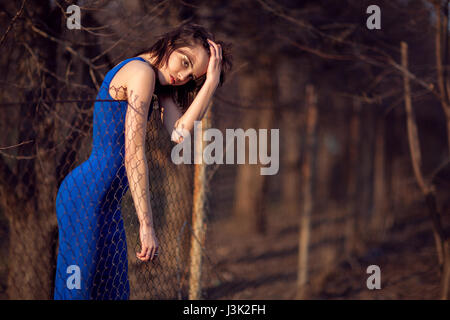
186, 35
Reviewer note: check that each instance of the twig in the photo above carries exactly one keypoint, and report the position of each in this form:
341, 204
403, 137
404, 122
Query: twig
315, 51
12, 22
16, 145
67, 47
41, 67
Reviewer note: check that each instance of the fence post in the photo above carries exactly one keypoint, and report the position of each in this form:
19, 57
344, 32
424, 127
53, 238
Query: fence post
198, 214
307, 176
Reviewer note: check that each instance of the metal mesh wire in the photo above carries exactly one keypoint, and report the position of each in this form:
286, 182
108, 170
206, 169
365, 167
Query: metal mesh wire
97, 225
171, 202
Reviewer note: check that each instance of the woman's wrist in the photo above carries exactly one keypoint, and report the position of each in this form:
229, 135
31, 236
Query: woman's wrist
147, 229
146, 223
212, 81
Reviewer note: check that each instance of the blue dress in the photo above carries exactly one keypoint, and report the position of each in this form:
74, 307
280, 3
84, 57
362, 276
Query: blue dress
92, 256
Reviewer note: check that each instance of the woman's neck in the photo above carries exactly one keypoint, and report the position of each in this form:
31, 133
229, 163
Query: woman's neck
148, 57
151, 59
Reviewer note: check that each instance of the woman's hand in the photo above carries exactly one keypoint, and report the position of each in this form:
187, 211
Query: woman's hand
215, 62
149, 243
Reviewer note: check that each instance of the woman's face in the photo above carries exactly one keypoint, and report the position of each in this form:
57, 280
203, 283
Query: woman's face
184, 64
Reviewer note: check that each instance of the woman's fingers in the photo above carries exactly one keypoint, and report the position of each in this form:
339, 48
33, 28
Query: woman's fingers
152, 254
211, 48
213, 53
218, 48
148, 253
142, 255
139, 254
214, 49
216, 54
143, 252
155, 252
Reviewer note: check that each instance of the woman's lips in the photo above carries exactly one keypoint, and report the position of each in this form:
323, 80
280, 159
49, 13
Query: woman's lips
172, 80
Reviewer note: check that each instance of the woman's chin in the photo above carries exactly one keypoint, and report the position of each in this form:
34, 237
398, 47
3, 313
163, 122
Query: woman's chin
167, 83
162, 81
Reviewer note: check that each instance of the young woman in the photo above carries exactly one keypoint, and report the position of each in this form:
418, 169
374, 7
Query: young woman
182, 71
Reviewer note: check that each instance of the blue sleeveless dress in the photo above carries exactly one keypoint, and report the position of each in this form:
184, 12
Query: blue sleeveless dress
92, 256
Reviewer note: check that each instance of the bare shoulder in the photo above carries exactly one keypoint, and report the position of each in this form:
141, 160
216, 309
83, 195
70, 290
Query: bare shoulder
138, 68
133, 71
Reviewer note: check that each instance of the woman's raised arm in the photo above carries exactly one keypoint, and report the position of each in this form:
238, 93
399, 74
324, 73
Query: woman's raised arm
177, 123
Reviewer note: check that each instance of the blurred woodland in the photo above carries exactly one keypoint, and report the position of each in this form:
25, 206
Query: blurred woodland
364, 119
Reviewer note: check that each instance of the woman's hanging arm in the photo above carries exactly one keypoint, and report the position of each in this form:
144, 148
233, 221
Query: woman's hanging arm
139, 90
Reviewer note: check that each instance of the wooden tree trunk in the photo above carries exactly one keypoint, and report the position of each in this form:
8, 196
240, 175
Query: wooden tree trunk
30, 207
243, 202
292, 121
28, 199
366, 184
251, 186
307, 208
381, 219
30, 256
291, 159
260, 215
442, 240
442, 73
351, 239
267, 120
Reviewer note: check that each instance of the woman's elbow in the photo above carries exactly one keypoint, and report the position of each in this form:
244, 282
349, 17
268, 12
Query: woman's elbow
176, 136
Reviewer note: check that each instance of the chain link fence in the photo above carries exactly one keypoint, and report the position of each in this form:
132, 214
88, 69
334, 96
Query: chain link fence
71, 202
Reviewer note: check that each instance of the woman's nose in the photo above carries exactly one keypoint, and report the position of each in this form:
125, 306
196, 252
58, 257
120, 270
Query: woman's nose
182, 77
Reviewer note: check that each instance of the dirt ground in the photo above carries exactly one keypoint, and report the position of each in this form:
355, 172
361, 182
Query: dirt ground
252, 266
244, 265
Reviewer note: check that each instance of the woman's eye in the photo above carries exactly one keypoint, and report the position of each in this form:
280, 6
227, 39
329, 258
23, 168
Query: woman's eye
186, 64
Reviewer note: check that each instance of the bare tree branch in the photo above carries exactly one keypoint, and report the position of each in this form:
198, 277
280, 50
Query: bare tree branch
67, 47
12, 22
